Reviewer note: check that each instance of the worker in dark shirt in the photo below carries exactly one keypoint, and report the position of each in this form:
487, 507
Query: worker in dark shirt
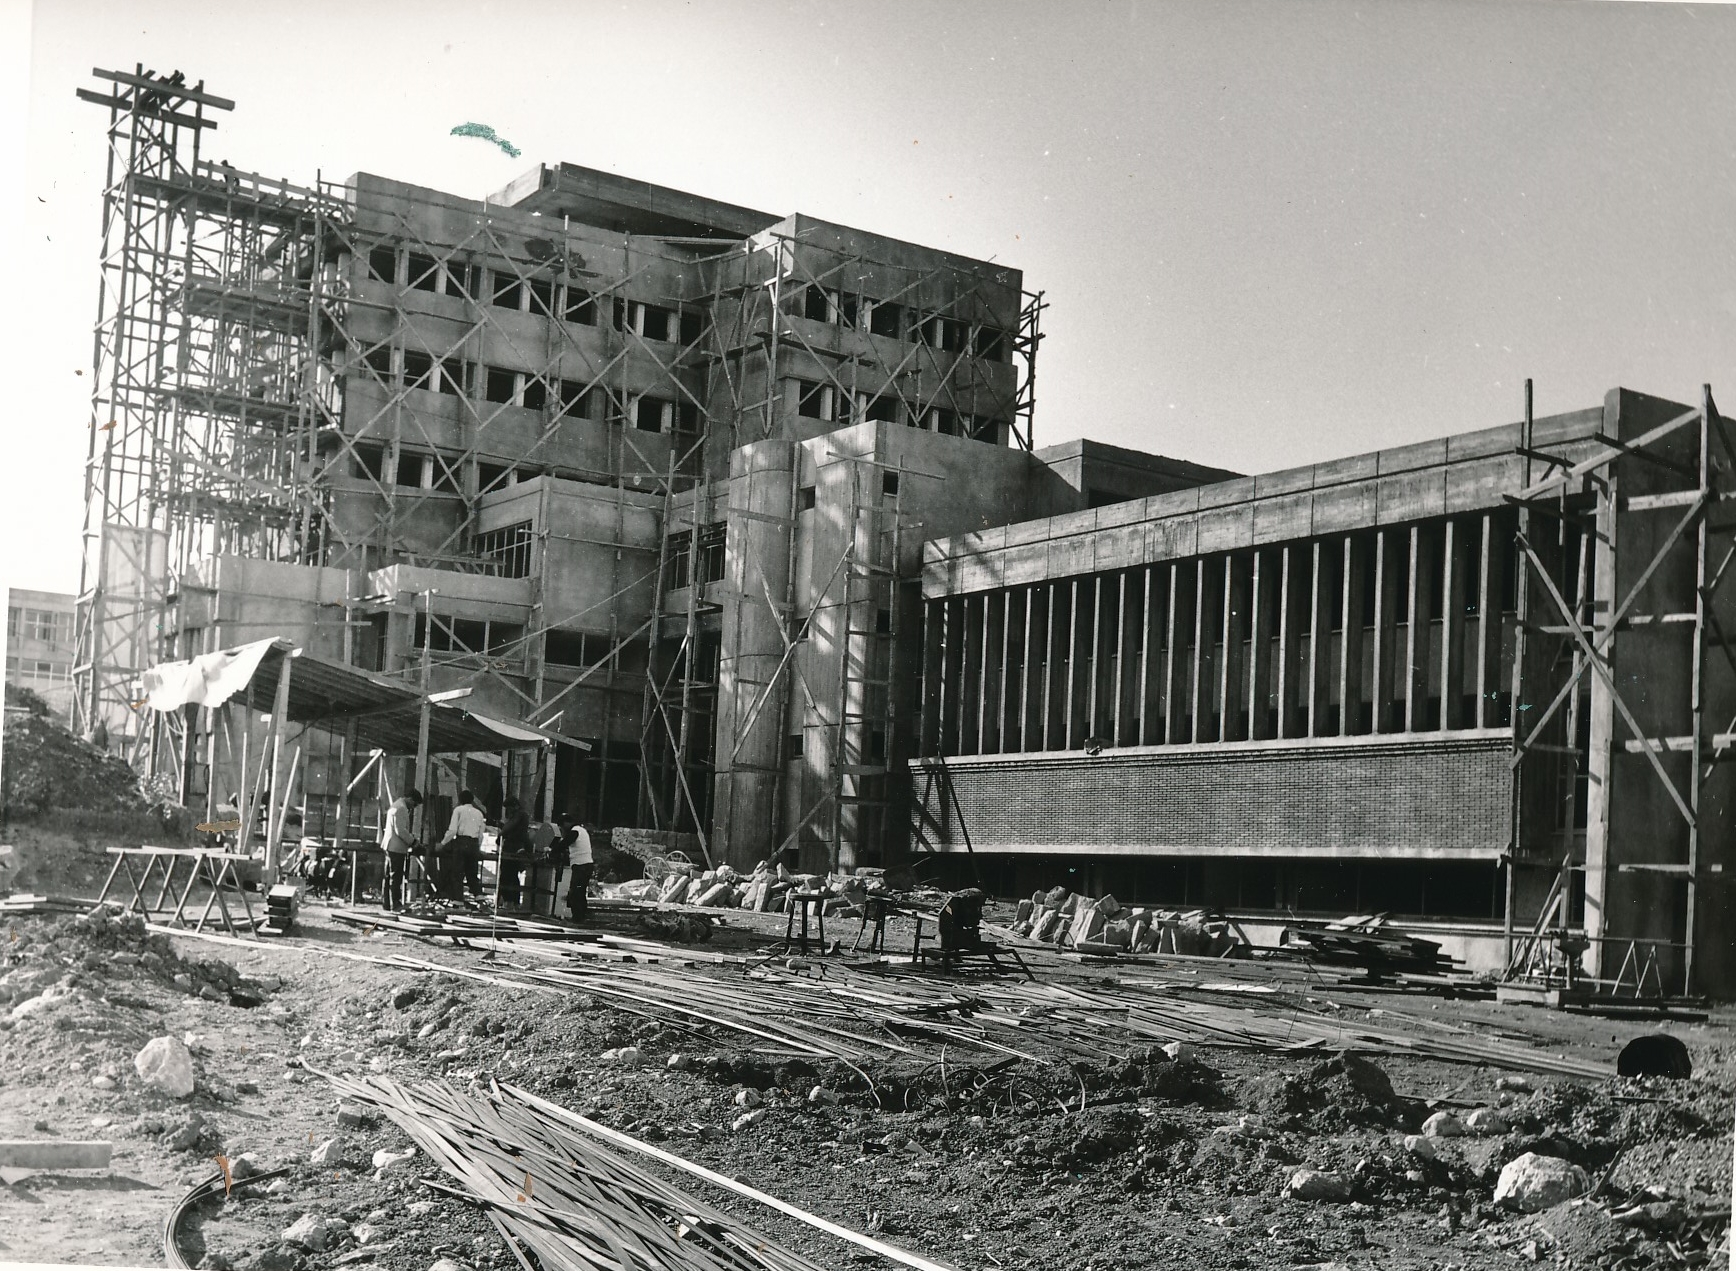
514, 852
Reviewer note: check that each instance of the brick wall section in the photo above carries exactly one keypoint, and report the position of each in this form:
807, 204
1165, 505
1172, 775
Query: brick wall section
1435, 797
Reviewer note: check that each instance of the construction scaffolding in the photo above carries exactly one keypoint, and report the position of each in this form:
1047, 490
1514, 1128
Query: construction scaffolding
357, 377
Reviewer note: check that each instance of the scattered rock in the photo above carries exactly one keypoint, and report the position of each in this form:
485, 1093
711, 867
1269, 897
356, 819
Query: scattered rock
1418, 1145
353, 1116
188, 1135
448, 1264
1533, 1183
1315, 1184
276, 1258
420, 1208
166, 1065
1487, 1121
625, 1056
748, 1118
1655, 1055
1518, 1085
244, 1167
1444, 1125
384, 1160
313, 1231
102, 1082
365, 1233
407, 996
329, 1154
1178, 1051
819, 1094
215, 1260
680, 1063
748, 1097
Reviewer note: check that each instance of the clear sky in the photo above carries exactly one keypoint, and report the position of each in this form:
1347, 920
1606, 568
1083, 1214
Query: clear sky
1269, 232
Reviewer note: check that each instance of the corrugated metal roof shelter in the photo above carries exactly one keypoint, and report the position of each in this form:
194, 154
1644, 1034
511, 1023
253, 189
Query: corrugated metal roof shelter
374, 712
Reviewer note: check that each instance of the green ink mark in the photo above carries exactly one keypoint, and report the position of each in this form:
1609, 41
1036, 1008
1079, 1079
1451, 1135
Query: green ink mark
485, 133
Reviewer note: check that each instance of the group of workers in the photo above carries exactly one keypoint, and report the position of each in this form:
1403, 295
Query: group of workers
456, 864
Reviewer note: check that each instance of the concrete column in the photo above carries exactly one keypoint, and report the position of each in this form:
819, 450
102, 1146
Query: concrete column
1231, 670
1199, 686
1452, 627
1296, 597
933, 677
1149, 664
1177, 623
1263, 607
756, 562
1322, 613
1491, 557
1355, 570
1386, 544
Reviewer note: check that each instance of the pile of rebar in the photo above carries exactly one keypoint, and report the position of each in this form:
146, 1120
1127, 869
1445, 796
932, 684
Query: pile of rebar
566, 1195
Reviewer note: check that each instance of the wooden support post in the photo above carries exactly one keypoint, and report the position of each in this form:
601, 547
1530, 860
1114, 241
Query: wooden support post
1489, 589
273, 817
423, 718
1263, 606
1452, 628
1355, 571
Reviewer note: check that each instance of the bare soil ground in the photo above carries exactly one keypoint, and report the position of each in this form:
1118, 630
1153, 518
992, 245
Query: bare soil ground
1169, 1164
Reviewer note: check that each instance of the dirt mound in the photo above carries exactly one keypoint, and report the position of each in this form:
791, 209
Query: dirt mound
47, 767
1338, 1093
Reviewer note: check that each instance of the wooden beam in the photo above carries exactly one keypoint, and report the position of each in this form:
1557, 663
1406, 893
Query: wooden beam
54, 1154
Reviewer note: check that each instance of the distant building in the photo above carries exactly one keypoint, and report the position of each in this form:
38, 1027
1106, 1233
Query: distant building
39, 646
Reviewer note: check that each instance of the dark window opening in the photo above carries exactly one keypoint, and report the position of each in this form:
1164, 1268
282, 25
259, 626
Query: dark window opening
542, 297
677, 551
991, 343
451, 380
379, 361
886, 318
793, 748
815, 307
383, 264
418, 370
655, 322
711, 541
575, 648
946, 421
424, 273
876, 745
889, 483
849, 308
501, 385
648, 414
410, 470
883, 622
810, 400
445, 478
884, 409
986, 428
508, 548
536, 393
460, 280
620, 314
503, 637
490, 476
805, 499
508, 292
692, 326
581, 307
689, 418
370, 461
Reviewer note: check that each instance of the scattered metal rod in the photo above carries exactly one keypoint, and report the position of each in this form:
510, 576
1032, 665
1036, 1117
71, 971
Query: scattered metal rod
195, 1195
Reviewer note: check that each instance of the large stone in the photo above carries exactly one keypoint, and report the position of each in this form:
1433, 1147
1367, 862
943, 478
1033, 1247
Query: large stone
1534, 1183
1444, 1125
1317, 1184
1487, 1121
329, 1154
313, 1231
1087, 924
166, 1065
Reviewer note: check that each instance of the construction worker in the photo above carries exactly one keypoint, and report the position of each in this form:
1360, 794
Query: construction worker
514, 852
398, 837
579, 857
464, 856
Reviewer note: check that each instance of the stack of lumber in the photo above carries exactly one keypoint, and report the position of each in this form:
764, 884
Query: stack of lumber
1367, 943
568, 1193
765, 890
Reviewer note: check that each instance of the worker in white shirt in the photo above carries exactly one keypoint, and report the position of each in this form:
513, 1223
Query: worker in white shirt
399, 840
464, 856
579, 856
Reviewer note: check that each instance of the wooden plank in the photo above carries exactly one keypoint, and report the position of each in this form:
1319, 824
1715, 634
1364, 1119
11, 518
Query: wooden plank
54, 1154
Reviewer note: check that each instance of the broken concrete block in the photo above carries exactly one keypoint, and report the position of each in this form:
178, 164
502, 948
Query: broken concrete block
625, 1056
748, 1097
329, 1154
1444, 1125
679, 1063
1533, 1183
1139, 937
1023, 912
1048, 926
1087, 925
1315, 1184
1070, 905
1179, 1051
819, 1094
1109, 907
166, 1065
353, 1116
749, 1118
1519, 1085
1118, 933
1417, 1145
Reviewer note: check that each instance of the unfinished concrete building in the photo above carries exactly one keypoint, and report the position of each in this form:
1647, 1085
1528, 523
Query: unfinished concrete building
749, 505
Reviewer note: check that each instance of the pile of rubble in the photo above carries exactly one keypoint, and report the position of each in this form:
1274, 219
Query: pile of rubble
1104, 925
766, 890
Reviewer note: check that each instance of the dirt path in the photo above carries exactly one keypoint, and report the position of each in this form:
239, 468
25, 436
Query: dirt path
1173, 1162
